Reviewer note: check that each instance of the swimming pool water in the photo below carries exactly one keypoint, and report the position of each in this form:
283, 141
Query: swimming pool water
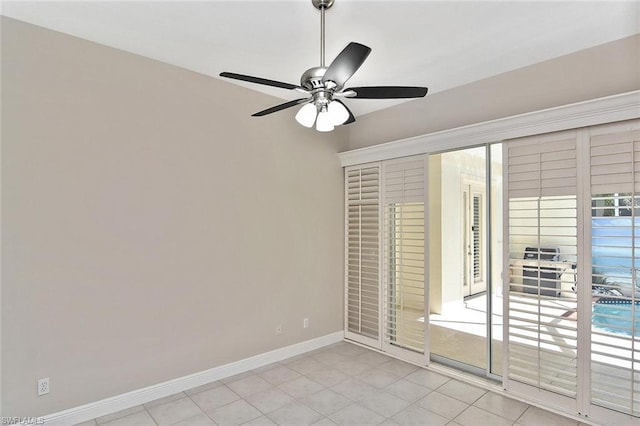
615, 317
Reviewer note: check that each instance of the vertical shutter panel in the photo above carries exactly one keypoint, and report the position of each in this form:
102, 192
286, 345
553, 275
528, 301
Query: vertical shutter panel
403, 265
615, 234
362, 195
477, 233
542, 213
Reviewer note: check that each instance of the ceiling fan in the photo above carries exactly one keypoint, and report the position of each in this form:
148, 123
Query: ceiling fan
323, 85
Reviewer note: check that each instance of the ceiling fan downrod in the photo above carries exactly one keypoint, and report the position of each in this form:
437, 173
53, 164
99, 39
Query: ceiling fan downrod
322, 5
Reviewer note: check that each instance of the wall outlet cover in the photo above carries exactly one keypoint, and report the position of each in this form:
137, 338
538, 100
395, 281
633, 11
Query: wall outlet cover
43, 386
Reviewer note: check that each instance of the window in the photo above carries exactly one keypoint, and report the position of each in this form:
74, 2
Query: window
616, 204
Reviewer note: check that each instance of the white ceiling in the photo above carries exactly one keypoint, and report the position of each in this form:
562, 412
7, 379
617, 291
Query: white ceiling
438, 44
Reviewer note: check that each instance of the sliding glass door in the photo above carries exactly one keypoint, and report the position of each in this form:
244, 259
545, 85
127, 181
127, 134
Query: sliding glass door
517, 260
464, 234
417, 297
573, 231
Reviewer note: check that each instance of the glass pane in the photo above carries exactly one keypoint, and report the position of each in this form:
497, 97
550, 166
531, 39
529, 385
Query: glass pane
457, 257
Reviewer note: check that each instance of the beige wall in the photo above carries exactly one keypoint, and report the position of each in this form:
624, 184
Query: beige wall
588, 74
150, 227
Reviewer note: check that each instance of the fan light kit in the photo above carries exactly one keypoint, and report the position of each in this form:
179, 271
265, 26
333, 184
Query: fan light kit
323, 85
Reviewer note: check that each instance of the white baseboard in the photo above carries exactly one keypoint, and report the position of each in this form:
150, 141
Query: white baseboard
131, 399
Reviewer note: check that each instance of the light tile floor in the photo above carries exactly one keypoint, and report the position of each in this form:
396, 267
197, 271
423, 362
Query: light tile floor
341, 384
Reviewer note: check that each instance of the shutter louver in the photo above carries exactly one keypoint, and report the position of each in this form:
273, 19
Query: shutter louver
362, 269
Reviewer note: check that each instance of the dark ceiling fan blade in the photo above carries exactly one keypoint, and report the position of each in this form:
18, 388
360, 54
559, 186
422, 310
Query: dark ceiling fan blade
281, 107
346, 63
351, 118
388, 92
258, 80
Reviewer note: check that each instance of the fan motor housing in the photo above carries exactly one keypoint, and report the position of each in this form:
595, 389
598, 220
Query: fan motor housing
312, 78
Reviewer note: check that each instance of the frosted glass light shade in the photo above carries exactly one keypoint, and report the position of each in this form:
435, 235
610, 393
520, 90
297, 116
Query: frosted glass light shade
324, 123
307, 115
338, 113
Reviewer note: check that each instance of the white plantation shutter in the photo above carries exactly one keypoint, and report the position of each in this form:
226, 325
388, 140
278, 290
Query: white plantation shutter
615, 193
362, 192
404, 196
541, 180
550, 196
476, 247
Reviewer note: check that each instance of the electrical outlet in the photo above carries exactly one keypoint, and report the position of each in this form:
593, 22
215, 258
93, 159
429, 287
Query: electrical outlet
43, 386
305, 323
278, 330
